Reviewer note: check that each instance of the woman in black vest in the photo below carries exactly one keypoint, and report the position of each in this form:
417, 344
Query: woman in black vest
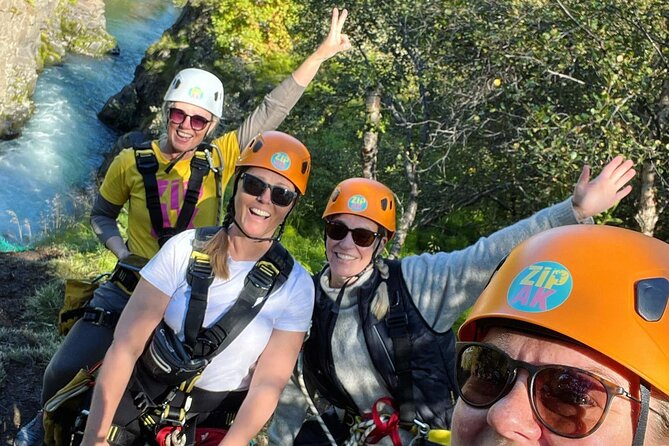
381, 348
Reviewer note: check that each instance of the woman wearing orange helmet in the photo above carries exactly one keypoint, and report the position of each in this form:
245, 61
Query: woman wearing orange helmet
381, 348
175, 379
569, 344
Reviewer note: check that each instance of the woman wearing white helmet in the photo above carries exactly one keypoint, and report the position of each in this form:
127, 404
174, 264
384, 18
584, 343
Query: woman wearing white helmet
169, 185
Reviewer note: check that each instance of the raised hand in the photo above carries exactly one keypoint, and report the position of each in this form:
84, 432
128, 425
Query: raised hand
593, 197
335, 42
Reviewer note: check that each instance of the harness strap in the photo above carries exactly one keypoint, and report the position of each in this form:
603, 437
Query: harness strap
269, 273
94, 315
199, 167
147, 165
398, 329
199, 277
120, 436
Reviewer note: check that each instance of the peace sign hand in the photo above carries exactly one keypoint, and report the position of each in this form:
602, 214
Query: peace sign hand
335, 42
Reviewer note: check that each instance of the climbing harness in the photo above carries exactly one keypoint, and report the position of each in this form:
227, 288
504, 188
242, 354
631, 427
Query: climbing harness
168, 370
200, 165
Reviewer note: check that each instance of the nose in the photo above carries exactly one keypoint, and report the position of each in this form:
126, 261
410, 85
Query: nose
183, 123
266, 196
347, 242
512, 416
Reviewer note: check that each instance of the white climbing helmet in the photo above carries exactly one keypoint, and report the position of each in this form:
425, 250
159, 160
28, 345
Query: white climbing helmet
197, 87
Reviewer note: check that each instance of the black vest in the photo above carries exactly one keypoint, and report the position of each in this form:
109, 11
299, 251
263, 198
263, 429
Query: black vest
432, 360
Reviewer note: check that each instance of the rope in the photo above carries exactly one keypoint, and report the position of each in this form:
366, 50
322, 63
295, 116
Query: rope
310, 402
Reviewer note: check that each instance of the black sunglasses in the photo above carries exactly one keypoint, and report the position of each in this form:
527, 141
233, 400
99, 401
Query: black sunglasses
279, 195
569, 401
197, 122
362, 237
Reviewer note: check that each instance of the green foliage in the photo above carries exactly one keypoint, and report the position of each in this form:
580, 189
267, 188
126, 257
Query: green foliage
253, 29
26, 346
42, 308
497, 105
310, 252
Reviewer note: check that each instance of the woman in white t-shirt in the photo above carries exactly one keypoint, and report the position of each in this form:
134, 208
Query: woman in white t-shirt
272, 172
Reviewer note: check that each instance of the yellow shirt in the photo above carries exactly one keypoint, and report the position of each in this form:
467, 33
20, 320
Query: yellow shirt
124, 184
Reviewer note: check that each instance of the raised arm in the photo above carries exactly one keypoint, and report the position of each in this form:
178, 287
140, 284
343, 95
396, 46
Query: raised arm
334, 43
445, 284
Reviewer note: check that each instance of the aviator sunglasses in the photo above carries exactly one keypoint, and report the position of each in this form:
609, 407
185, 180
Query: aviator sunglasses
569, 401
362, 237
197, 122
279, 195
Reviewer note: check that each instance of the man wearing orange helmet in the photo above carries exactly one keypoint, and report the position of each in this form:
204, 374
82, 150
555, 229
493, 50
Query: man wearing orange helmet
186, 370
381, 348
569, 344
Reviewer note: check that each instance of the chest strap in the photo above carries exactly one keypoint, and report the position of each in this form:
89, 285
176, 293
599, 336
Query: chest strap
268, 273
147, 165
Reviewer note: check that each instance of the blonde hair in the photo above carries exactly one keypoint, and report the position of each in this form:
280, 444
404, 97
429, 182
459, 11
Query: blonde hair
217, 249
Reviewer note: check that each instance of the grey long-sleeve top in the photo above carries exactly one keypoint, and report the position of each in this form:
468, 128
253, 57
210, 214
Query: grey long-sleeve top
442, 285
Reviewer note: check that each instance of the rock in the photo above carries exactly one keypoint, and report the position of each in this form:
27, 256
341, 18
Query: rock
138, 105
36, 33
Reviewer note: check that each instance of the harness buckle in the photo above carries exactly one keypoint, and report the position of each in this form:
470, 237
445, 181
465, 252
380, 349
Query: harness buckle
146, 162
396, 321
100, 316
263, 274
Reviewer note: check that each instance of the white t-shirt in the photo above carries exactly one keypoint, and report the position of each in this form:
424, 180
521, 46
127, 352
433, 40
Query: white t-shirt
288, 309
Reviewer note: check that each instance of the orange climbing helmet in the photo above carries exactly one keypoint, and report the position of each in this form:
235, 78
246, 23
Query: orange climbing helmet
604, 287
280, 153
366, 198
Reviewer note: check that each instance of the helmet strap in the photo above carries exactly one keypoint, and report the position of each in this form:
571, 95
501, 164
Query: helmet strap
640, 432
175, 160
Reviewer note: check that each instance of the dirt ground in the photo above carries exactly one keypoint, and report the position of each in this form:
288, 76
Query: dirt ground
20, 274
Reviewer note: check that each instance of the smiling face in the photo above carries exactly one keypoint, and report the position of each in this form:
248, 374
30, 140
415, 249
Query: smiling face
182, 137
511, 420
346, 259
259, 216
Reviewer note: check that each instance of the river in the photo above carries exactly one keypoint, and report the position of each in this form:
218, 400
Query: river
45, 169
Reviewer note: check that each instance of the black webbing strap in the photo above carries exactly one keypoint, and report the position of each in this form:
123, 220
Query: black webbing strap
199, 277
269, 273
147, 165
199, 167
398, 328
93, 315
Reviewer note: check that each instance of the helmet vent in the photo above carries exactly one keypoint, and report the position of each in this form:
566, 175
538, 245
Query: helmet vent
257, 145
177, 82
305, 167
651, 298
335, 195
384, 204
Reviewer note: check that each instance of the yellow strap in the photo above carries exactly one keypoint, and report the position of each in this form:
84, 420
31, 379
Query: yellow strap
439, 436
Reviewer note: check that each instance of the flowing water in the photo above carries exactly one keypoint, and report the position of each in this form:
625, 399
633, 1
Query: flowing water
44, 170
